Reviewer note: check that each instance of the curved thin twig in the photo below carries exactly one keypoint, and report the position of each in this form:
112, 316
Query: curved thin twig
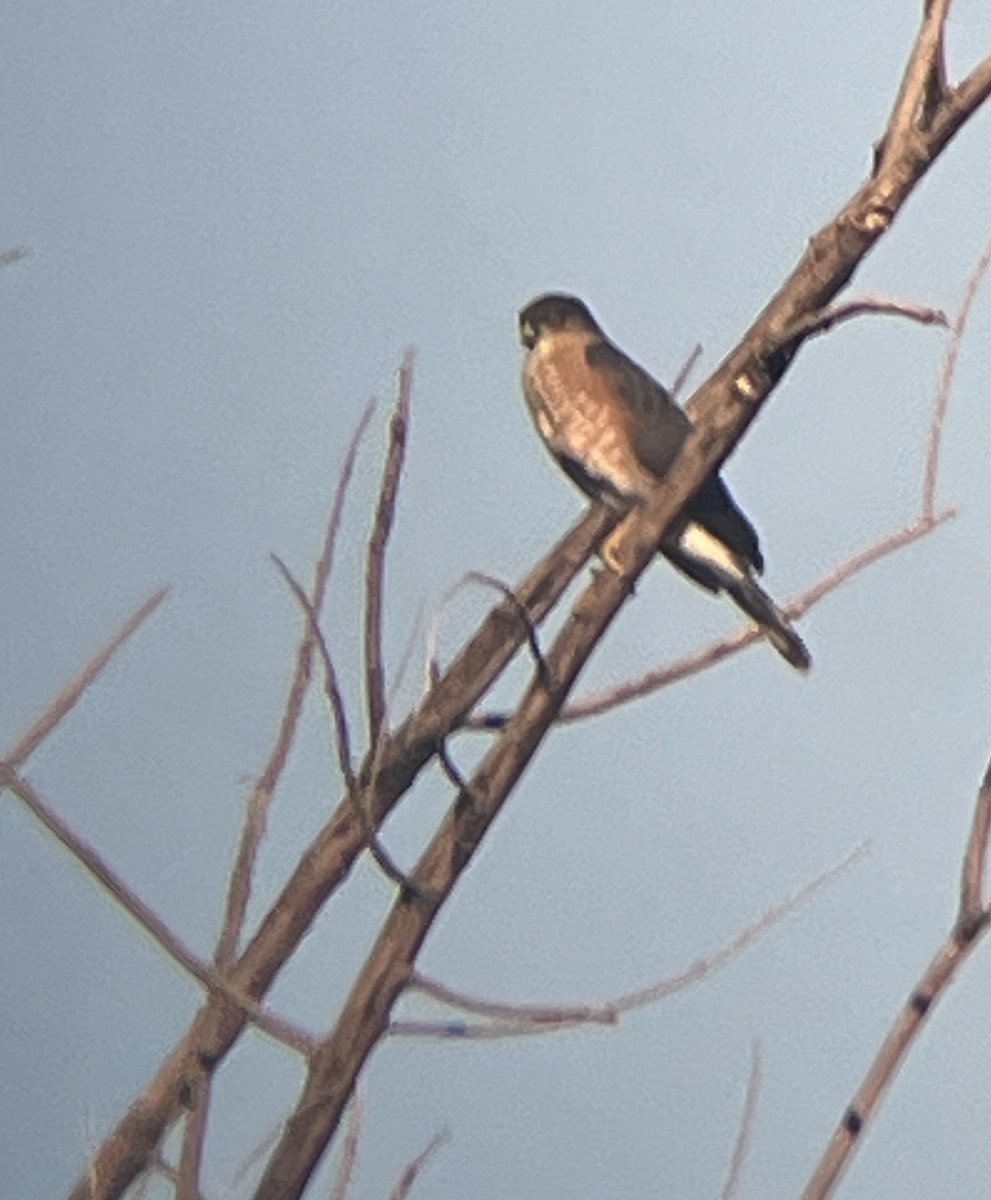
515, 1020
335, 700
259, 802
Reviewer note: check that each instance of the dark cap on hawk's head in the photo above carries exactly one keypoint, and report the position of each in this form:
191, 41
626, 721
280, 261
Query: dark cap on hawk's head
551, 313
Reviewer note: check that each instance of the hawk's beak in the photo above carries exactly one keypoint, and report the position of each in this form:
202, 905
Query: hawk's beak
528, 335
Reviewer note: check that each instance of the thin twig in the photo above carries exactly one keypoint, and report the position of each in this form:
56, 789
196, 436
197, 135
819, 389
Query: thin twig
515, 1019
375, 562
972, 919
748, 1119
685, 372
406, 1180
332, 686
450, 769
828, 318
349, 1151
145, 916
487, 581
74, 689
249, 1162
973, 905
193, 1141
944, 391
335, 700
256, 811
604, 699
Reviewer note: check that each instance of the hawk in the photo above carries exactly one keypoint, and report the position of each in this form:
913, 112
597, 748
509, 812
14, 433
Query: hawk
616, 432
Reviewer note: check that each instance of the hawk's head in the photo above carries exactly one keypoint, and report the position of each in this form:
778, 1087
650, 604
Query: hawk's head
552, 314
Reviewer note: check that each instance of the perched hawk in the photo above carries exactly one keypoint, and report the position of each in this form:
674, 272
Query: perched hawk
616, 432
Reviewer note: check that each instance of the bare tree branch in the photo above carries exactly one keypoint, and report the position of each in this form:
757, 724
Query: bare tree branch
489, 581
404, 1185
831, 316
375, 569
70, 695
332, 687
349, 1152
973, 916
146, 917
256, 811
748, 1119
685, 372
945, 389
335, 700
325, 864
721, 411
600, 701
516, 1019
193, 1141
915, 95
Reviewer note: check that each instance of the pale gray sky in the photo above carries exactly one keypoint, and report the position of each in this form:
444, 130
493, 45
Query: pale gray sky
239, 217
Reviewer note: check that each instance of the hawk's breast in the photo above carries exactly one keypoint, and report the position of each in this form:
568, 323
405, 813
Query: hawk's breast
578, 415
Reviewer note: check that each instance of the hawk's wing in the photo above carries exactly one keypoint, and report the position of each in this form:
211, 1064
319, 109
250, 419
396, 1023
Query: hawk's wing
714, 508
658, 428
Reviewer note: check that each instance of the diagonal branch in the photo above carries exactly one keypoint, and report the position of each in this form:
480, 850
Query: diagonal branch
916, 96
748, 1119
404, 1184
145, 916
256, 813
70, 695
945, 389
377, 542
973, 917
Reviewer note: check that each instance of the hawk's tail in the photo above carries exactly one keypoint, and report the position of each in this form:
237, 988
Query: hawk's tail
751, 598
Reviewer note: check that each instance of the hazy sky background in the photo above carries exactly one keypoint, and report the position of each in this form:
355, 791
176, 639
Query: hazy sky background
239, 216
